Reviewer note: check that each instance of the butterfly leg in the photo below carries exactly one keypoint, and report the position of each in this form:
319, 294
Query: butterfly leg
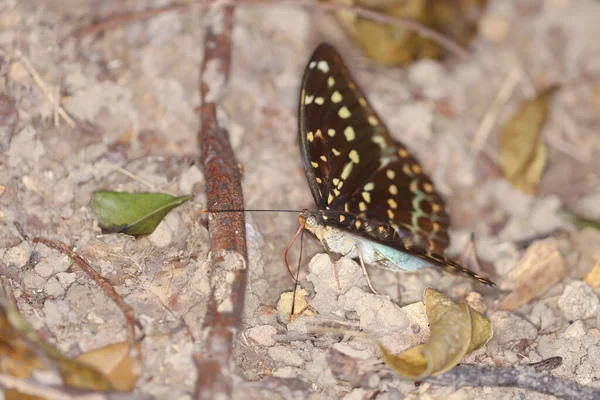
364, 270
334, 259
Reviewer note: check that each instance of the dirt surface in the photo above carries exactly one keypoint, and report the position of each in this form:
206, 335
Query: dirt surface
132, 92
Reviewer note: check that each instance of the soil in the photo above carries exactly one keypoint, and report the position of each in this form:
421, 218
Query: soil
132, 92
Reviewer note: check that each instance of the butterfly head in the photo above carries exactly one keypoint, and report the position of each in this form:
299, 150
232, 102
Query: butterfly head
312, 221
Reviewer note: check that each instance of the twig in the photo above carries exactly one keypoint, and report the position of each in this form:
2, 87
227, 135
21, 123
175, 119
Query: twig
110, 292
491, 116
529, 377
409, 24
40, 82
227, 230
56, 392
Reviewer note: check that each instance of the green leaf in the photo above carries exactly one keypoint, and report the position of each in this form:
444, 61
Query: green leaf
135, 214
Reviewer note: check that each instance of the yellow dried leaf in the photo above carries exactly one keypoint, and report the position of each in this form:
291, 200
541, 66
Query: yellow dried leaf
19, 348
115, 362
284, 305
593, 277
524, 153
393, 45
539, 269
455, 331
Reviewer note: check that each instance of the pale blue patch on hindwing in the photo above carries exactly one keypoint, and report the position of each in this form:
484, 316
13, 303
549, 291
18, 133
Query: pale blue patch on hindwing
389, 258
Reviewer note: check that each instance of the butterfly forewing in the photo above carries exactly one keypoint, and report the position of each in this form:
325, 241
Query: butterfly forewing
354, 165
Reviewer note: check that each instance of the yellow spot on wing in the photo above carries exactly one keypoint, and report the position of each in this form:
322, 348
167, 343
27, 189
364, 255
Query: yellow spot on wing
362, 206
344, 113
319, 100
346, 171
312, 64
335, 181
336, 97
310, 136
319, 134
369, 186
335, 152
428, 187
393, 189
308, 99
392, 203
390, 214
403, 153
330, 198
373, 121
362, 101
331, 132
366, 196
323, 66
319, 180
314, 164
330, 81
342, 218
323, 158
349, 133
354, 157
416, 169
390, 173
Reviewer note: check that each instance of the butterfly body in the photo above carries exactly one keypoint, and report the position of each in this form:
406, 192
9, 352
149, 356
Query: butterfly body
372, 196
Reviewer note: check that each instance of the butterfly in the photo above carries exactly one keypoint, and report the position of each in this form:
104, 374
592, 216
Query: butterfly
374, 202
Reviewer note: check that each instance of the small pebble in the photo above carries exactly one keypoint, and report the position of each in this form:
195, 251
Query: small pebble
285, 355
509, 327
262, 335
578, 301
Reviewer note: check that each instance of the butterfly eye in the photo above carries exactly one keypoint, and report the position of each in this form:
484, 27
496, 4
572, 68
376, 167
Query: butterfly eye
311, 221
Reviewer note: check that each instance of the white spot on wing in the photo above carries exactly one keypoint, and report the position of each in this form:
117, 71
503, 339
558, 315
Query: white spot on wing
349, 133
323, 66
344, 113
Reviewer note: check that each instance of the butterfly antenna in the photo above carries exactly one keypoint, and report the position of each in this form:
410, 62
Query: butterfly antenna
206, 210
297, 272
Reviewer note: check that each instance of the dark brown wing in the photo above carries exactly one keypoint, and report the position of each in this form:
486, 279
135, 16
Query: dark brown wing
354, 165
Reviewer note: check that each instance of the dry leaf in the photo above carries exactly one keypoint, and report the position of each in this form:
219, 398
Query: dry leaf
20, 347
539, 269
456, 330
392, 45
524, 153
593, 277
115, 362
284, 305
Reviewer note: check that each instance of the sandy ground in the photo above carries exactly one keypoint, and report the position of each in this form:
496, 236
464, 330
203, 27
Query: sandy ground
133, 91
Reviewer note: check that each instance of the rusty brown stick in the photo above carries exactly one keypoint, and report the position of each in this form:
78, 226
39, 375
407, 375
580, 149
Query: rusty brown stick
227, 230
108, 289
116, 20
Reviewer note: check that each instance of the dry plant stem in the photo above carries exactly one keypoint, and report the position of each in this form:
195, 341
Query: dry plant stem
227, 230
116, 20
110, 292
55, 392
529, 377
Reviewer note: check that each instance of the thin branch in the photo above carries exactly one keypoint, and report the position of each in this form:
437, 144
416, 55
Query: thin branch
116, 20
227, 230
531, 377
56, 392
110, 292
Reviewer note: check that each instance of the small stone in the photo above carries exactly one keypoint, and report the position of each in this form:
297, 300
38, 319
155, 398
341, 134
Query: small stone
575, 330
66, 278
262, 335
44, 269
189, 178
285, 355
578, 301
54, 288
510, 327
32, 280
162, 235
356, 394
17, 256
285, 372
